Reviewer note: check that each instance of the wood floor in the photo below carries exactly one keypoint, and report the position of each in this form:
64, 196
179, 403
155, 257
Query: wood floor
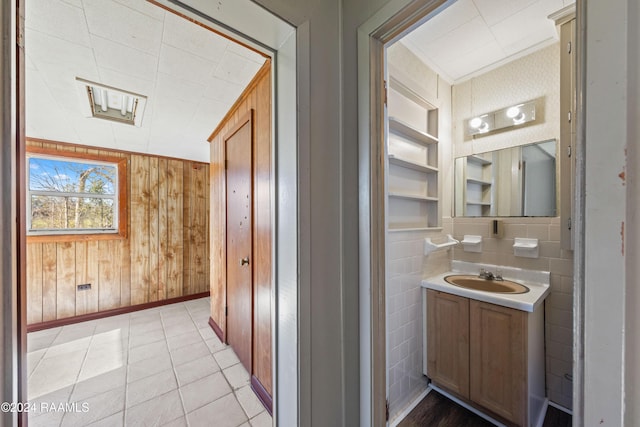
437, 410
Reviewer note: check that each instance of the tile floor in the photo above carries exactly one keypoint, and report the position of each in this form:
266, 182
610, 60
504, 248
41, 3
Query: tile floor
158, 367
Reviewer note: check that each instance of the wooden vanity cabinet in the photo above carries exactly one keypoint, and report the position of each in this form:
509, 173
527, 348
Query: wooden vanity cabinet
478, 352
498, 359
448, 341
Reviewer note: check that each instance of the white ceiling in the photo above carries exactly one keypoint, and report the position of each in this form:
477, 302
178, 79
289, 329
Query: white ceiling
471, 37
190, 75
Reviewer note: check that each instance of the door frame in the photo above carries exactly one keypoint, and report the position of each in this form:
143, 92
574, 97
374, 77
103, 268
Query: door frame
258, 28
246, 118
390, 23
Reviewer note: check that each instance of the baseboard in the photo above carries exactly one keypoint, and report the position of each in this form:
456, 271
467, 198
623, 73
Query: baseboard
263, 395
113, 312
216, 329
561, 408
406, 411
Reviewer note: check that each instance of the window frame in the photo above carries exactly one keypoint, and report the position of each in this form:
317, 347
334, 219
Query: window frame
120, 232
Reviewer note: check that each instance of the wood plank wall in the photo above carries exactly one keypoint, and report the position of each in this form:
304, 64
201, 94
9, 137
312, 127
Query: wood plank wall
165, 254
257, 97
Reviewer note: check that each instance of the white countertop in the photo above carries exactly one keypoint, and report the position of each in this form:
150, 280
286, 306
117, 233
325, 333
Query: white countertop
525, 302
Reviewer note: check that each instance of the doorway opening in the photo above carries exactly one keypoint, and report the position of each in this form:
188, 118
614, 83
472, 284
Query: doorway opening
428, 77
287, 107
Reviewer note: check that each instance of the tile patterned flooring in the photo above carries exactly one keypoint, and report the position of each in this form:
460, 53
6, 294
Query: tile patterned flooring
158, 367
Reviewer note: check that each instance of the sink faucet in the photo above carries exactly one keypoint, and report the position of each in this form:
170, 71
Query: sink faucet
488, 275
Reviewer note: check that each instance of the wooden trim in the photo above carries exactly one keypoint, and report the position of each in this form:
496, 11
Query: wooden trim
262, 394
216, 329
113, 312
246, 117
247, 91
123, 205
111, 150
213, 30
47, 151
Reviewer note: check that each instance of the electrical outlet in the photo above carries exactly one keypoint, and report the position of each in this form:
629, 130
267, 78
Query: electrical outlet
84, 287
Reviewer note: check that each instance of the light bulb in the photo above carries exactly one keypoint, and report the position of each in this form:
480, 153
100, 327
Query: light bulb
476, 122
513, 112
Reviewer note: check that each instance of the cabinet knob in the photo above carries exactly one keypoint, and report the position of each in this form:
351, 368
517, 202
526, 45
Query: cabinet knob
244, 261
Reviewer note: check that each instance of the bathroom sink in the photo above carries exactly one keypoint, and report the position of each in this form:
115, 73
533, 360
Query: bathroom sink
479, 284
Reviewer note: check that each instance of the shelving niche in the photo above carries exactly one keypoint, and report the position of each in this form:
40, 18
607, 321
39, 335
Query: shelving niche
412, 153
478, 191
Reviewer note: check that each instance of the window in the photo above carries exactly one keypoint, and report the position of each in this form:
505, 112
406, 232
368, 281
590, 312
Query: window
75, 195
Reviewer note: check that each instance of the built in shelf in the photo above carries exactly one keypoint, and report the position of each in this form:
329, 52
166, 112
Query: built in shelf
478, 181
413, 197
411, 165
478, 160
399, 126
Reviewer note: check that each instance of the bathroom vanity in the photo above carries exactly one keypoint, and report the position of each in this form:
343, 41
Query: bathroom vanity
487, 349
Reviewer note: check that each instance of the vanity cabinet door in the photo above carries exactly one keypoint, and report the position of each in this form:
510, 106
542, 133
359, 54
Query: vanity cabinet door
498, 361
448, 341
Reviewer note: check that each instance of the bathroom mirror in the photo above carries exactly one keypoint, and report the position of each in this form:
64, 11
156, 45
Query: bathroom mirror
515, 181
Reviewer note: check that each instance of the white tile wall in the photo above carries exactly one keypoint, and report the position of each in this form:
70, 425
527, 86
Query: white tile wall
404, 314
406, 263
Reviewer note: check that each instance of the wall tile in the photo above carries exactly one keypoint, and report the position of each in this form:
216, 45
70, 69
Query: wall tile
550, 249
538, 231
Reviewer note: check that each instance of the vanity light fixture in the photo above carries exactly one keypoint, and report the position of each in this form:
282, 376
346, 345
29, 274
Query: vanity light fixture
514, 115
110, 103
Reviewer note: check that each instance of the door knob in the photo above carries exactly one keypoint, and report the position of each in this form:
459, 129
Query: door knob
244, 261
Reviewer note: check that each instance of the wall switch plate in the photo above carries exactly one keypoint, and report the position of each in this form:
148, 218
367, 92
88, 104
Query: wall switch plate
84, 287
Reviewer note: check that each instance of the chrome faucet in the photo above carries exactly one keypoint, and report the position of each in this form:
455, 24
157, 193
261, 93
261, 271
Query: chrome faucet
488, 275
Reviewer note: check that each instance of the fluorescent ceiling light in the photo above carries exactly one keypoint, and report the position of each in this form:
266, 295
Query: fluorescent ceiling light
110, 103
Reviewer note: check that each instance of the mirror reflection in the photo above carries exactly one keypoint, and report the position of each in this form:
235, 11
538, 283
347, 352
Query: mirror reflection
515, 181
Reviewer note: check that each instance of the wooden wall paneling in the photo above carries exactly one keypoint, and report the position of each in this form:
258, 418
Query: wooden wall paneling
207, 261
175, 229
218, 232
139, 238
187, 225
150, 264
87, 273
109, 273
163, 238
257, 97
49, 281
262, 239
66, 279
154, 242
198, 248
34, 283
125, 248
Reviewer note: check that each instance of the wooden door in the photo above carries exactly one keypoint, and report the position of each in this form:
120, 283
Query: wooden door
499, 360
448, 341
239, 241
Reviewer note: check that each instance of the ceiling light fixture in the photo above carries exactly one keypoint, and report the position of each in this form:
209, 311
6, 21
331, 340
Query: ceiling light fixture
110, 103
